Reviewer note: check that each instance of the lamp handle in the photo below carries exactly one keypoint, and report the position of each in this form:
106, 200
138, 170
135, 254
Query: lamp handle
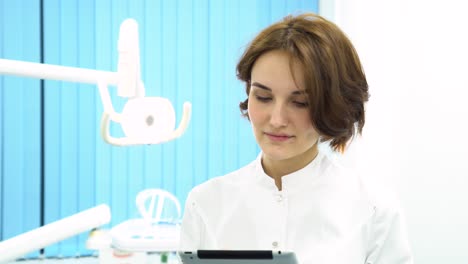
126, 141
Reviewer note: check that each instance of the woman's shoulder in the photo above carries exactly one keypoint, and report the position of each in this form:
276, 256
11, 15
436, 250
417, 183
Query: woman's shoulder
372, 187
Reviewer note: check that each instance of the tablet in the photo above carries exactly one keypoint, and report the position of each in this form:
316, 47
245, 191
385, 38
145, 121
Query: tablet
237, 257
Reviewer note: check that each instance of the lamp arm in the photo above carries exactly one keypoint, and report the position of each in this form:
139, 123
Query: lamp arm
57, 72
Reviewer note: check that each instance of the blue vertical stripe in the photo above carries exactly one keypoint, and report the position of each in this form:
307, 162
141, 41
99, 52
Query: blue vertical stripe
184, 92
68, 106
216, 87
53, 119
169, 85
20, 122
230, 87
2, 110
87, 122
201, 75
31, 122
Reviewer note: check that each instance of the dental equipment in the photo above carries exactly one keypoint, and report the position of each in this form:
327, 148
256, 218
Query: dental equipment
144, 120
152, 232
41, 237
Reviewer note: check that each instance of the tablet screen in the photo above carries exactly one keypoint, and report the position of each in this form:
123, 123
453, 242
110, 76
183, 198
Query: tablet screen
237, 257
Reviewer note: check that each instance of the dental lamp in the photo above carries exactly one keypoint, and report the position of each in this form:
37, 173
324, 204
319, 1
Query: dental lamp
144, 120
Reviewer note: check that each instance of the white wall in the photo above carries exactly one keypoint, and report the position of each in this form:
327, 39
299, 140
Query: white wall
415, 54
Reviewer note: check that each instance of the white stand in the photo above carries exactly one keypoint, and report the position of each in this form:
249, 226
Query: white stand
41, 237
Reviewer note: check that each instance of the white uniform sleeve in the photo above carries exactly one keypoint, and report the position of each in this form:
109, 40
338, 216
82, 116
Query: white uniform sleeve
192, 227
389, 241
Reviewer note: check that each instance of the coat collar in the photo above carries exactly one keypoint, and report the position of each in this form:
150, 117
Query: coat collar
296, 180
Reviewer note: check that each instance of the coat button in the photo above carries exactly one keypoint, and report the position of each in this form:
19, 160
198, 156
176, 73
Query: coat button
274, 244
279, 198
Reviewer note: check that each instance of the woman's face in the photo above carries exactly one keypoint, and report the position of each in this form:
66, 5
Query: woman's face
278, 109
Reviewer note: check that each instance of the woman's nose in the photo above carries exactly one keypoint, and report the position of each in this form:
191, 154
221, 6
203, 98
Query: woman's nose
278, 117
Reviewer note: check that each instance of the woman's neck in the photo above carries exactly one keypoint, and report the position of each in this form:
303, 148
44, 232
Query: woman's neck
276, 169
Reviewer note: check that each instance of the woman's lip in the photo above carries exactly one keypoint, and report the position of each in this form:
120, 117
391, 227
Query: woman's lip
278, 137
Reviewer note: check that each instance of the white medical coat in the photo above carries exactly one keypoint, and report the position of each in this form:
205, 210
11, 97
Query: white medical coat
324, 213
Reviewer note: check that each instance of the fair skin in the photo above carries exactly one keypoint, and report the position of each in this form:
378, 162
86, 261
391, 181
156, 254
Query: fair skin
279, 114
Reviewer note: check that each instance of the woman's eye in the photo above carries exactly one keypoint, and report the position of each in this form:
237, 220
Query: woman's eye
301, 104
263, 99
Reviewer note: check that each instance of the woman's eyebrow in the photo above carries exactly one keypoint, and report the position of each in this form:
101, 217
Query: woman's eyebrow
261, 86
264, 87
299, 92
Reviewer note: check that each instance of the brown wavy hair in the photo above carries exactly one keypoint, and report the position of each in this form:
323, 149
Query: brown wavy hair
335, 81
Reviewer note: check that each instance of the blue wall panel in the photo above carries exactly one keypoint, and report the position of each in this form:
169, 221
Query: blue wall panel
87, 122
55, 119
189, 50
2, 37
183, 175
200, 95
169, 77
20, 122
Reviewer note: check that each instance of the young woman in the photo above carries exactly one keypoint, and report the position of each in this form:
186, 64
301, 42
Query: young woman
305, 85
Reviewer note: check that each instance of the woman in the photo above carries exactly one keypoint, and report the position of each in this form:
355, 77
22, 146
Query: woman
305, 85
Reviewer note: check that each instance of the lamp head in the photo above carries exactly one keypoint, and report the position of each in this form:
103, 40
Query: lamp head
148, 118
